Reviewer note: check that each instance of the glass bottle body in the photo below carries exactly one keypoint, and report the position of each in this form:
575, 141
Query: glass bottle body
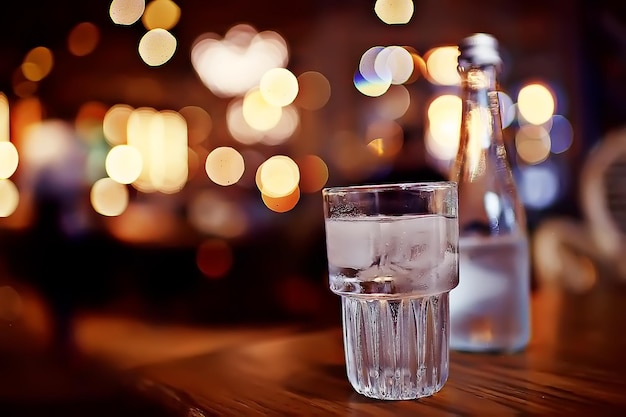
489, 309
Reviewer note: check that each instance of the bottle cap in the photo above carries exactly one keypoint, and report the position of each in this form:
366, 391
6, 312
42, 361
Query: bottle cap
479, 49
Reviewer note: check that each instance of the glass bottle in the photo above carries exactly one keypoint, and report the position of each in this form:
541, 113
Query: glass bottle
489, 309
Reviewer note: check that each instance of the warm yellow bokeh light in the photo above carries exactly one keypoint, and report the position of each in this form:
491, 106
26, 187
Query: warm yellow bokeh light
8, 159
444, 107
123, 164
37, 63
108, 197
115, 123
258, 113
162, 14
83, 39
444, 124
279, 87
157, 47
278, 176
532, 143
442, 64
9, 197
535, 103
237, 125
314, 90
394, 12
282, 204
224, 165
161, 138
126, 12
5, 116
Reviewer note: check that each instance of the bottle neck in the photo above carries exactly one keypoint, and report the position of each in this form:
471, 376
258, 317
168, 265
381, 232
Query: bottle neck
481, 125
488, 200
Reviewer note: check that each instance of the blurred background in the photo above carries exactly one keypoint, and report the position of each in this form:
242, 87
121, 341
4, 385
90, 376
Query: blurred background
163, 159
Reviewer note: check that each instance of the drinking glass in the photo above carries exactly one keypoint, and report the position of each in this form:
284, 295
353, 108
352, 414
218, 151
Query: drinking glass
392, 254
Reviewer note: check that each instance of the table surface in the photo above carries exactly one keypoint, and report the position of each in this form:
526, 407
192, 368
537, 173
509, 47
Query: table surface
574, 363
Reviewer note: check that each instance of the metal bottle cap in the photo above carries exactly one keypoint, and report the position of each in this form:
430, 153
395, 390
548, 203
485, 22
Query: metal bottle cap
479, 49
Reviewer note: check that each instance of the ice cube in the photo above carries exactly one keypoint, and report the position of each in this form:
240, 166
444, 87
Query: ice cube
351, 243
416, 243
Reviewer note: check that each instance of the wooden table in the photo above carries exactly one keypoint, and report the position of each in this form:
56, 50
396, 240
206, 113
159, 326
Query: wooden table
575, 364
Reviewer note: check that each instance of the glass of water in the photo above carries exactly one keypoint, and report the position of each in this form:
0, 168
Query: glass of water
392, 254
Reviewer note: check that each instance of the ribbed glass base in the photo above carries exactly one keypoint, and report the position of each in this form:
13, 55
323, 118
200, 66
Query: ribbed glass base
396, 349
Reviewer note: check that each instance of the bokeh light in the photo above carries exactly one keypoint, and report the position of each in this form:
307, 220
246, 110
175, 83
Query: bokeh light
444, 124
396, 62
9, 159
157, 47
199, 124
314, 90
287, 125
313, 173
233, 65
279, 87
561, 134
224, 165
115, 124
539, 185
367, 66
163, 14
370, 88
126, 12
258, 113
237, 125
123, 164
161, 138
108, 197
419, 65
83, 39
23, 87
394, 12
536, 103
50, 148
282, 204
278, 176
5, 116
37, 63
394, 103
442, 64
532, 143
9, 197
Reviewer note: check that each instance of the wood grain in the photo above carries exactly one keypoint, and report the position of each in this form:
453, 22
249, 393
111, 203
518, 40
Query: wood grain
574, 364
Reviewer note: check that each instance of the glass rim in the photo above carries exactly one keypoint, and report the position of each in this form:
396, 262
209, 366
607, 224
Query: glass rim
419, 185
